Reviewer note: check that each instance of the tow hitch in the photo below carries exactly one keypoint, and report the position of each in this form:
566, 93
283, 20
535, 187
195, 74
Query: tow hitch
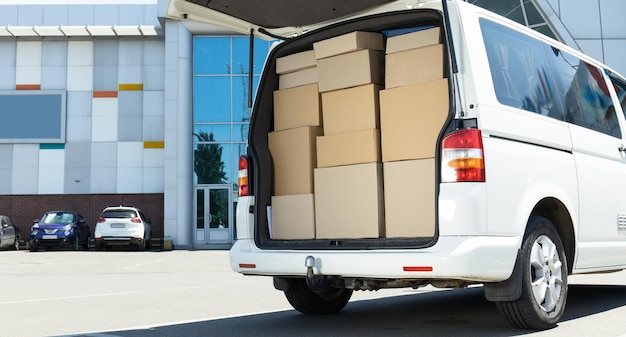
316, 283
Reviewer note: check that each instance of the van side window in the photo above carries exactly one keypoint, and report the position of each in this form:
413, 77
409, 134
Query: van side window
620, 89
532, 75
585, 94
520, 70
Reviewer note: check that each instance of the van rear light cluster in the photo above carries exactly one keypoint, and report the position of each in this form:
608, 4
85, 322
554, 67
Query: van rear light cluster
242, 180
462, 157
101, 219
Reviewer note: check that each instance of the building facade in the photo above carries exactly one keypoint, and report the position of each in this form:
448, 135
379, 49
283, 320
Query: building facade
107, 102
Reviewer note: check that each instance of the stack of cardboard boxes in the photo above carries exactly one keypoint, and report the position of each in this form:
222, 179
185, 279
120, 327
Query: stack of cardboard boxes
329, 181
297, 123
413, 110
348, 180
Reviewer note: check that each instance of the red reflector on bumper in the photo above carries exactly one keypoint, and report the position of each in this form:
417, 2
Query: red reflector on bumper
247, 265
417, 268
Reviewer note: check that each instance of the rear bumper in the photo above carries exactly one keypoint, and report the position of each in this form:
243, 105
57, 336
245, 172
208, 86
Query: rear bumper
470, 258
58, 241
118, 241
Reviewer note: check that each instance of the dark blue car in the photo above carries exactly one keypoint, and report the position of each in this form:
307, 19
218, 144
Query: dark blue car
64, 229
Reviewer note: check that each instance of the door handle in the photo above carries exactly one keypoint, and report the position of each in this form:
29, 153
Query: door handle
210, 218
621, 148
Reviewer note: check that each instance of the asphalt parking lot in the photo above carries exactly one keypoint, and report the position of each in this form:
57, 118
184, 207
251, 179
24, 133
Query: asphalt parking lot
66, 292
195, 293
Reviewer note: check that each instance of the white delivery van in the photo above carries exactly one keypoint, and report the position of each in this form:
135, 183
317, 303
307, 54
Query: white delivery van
413, 143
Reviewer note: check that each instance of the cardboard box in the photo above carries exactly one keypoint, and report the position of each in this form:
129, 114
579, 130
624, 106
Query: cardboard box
349, 202
293, 217
296, 107
357, 147
295, 62
409, 198
351, 70
411, 119
297, 78
351, 109
294, 156
418, 39
414, 66
348, 43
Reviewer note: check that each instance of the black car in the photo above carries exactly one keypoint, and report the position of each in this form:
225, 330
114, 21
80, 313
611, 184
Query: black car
66, 229
9, 234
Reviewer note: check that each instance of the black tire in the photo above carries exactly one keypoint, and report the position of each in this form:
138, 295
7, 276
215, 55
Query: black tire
306, 301
85, 244
98, 246
33, 248
76, 245
142, 246
544, 283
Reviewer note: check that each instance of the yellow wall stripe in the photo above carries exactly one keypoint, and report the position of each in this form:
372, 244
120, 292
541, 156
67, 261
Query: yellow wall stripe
153, 145
130, 86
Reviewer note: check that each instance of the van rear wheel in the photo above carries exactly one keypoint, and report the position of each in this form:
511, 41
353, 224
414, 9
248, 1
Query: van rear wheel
544, 284
309, 302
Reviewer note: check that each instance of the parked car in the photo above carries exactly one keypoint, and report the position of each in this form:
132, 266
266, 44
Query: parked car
123, 226
66, 229
9, 234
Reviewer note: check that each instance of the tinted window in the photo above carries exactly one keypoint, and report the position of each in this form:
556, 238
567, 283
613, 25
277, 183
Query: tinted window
585, 94
534, 76
119, 214
620, 88
520, 70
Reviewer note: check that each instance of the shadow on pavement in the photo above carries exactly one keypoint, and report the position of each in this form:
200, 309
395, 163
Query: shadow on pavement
461, 312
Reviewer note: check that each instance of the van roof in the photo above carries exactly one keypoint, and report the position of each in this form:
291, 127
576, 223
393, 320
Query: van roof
280, 17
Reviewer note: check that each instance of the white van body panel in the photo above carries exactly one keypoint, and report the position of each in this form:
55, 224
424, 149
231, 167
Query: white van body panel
601, 170
244, 218
520, 175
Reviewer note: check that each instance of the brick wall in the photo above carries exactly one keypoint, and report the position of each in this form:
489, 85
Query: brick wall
23, 209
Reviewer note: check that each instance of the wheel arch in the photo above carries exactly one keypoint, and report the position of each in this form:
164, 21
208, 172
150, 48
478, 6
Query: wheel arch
555, 211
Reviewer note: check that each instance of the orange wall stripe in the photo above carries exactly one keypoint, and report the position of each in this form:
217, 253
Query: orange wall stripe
104, 94
153, 145
130, 86
28, 87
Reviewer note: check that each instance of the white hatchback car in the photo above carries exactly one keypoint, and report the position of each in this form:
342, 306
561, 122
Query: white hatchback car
123, 226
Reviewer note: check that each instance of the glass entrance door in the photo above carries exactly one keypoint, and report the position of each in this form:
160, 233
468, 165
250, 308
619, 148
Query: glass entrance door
214, 215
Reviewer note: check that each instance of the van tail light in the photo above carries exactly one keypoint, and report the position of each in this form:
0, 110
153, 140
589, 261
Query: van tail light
101, 219
242, 180
462, 157
135, 220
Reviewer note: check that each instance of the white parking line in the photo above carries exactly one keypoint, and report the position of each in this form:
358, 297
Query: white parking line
142, 264
51, 260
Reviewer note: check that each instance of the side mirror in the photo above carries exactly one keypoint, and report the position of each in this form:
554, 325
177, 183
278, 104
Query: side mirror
5, 225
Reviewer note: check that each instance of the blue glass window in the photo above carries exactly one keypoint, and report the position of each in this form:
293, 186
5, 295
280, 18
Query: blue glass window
211, 99
211, 55
241, 111
221, 115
